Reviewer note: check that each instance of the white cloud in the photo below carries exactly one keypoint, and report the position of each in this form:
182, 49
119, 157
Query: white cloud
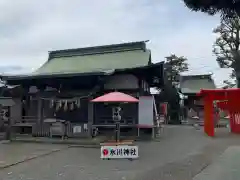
29, 29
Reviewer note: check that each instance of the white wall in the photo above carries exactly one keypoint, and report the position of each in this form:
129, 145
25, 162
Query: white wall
145, 110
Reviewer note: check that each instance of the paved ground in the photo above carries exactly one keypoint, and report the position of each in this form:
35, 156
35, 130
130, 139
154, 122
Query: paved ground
17, 152
227, 166
181, 153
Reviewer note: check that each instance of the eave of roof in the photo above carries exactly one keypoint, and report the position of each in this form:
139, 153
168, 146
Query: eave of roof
194, 83
6, 101
103, 73
54, 75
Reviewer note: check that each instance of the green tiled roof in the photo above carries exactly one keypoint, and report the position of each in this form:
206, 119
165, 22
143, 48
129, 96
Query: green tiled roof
95, 63
193, 84
96, 59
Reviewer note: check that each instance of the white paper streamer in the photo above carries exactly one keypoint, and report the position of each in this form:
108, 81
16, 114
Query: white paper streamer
72, 106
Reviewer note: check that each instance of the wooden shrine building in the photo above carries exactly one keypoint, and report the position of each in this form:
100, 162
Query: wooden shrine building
62, 88
190, 86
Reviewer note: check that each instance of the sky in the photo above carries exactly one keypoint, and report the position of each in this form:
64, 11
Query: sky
30, 29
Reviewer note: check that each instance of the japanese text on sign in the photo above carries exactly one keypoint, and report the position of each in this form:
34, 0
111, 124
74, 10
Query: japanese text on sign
119, 152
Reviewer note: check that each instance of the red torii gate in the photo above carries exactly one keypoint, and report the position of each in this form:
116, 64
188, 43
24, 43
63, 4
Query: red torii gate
223, 105
232, 98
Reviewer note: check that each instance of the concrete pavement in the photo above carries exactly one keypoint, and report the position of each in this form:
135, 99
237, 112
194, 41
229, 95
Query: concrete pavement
226, 167
181, 153
15, 153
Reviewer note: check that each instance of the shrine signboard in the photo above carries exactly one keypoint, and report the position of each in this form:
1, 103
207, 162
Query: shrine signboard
119, 152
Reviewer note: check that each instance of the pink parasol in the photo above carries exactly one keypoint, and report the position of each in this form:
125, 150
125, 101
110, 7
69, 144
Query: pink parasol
116, 97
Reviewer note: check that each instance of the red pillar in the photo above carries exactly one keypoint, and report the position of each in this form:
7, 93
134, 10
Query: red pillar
234, 111
208, 116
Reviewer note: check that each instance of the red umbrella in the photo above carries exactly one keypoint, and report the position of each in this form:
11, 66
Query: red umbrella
115, 97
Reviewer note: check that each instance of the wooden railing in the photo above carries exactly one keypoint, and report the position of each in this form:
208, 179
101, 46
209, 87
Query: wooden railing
39, 129
25, 121
29, 118
108, 120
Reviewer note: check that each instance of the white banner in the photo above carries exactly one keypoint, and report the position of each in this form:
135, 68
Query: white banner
145, 110
118, 152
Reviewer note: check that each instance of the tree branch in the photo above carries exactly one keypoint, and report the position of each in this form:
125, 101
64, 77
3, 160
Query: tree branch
227, 44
